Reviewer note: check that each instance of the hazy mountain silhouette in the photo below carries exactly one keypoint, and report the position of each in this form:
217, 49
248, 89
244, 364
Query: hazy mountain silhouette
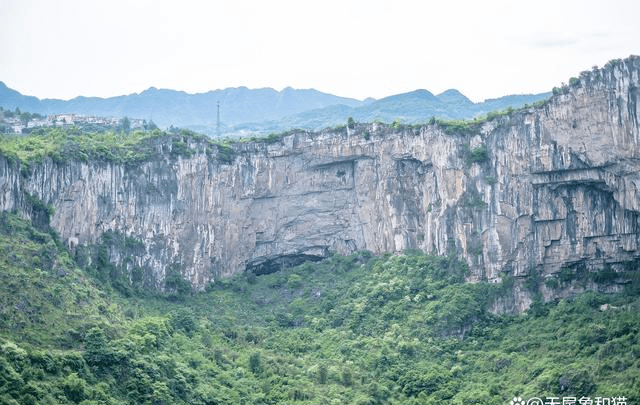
266, 109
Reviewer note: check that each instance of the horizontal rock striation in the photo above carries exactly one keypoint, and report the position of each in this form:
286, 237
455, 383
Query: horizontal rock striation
536, 191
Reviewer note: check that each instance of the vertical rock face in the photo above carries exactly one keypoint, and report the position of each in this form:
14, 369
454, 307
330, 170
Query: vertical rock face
541, 190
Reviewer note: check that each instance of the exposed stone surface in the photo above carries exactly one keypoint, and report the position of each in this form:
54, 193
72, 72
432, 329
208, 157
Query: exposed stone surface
557, 187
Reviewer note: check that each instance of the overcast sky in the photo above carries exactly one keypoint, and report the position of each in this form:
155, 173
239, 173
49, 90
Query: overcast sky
359, 49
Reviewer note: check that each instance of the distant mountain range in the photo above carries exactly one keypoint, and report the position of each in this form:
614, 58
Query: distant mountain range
244, 111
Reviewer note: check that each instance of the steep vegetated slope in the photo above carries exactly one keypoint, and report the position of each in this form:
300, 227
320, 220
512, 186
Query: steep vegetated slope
547, 193
45, 299
355, 329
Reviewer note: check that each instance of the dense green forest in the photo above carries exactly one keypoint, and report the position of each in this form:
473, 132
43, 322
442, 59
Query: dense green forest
355, 329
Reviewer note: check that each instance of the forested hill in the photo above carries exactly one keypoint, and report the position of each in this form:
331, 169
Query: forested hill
244, 110
355, 329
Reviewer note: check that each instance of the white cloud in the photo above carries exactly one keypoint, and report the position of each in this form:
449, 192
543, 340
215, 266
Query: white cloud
350, 48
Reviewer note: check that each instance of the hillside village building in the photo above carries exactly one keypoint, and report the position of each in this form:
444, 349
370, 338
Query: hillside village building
60, 120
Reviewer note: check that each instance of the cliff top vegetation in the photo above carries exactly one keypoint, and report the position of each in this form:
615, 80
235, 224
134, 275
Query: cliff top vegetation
66, 144
121, 147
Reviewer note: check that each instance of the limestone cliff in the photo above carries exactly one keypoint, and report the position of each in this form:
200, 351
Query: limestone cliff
534, 192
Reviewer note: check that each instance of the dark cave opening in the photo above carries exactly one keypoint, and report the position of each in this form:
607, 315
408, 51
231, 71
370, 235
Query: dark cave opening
278, 263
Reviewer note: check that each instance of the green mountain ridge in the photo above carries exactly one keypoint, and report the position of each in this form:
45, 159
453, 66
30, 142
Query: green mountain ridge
260, 111
409, 108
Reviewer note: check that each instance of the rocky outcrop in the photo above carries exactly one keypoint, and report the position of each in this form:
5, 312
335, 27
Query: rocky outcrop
538, 191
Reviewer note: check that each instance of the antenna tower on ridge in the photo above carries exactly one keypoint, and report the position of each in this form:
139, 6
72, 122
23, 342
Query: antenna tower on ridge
218, 121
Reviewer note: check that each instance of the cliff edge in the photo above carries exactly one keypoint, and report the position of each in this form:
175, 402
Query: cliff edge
544, 193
